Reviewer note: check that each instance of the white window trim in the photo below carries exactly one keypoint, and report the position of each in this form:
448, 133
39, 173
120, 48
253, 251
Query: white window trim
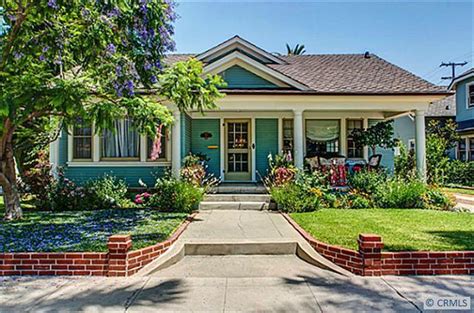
468, 104
120, 162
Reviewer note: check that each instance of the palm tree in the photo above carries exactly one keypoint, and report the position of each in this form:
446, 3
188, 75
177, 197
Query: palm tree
297, 50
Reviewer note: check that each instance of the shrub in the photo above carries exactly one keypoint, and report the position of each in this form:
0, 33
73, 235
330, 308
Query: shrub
293, 197
175, 195
281, 170
194, 172
460, 173
396, 193
36, 179
367, 182
106, 192
63, 195
405, 164
437, 200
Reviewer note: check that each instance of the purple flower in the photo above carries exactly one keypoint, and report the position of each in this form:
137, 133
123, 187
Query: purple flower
147, 66
42, 58
153, 79
111, 49
52, 4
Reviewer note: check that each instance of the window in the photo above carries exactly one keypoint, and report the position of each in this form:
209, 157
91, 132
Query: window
82, 141
462, 149
122, 143
470, 95
322, 138
353, 151
411, 145
471, 149
150, 141
288, 135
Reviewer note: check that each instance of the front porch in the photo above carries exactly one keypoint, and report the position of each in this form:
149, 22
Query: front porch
236, 144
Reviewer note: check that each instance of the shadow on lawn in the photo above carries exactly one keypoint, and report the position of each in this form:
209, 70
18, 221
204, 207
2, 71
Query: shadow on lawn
462, 239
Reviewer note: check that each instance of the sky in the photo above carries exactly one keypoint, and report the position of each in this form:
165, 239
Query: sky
417, 36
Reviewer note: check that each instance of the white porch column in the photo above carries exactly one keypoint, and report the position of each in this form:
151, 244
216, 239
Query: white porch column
54, 156
299, 137
176, 144
420, 143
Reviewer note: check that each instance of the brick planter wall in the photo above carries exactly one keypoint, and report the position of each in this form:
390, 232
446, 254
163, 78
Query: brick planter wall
118, 261
371, 261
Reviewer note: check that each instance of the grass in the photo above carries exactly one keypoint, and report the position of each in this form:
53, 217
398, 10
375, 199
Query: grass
84, 230
401, 229
460, 191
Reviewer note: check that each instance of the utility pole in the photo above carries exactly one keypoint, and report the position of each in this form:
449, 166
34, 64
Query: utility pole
453, 68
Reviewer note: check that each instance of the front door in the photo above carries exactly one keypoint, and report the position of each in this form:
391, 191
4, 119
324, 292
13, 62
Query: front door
238, 150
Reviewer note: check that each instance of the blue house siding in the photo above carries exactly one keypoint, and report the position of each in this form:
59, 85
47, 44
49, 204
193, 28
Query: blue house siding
238, 77
131, 175
209, 147
462, 112
266, 142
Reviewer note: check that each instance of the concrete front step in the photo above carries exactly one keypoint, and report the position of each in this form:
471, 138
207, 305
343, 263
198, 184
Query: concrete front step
240, 189
233, 205
464, 199
237, 198
249, 248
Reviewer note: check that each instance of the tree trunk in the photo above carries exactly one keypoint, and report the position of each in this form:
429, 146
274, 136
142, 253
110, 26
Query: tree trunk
8, 182
11, 196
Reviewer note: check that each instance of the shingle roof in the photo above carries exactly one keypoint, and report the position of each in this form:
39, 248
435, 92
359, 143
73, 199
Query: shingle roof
443, 107
348, 74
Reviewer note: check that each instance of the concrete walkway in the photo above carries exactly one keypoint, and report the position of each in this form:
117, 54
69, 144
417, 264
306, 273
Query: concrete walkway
224, 286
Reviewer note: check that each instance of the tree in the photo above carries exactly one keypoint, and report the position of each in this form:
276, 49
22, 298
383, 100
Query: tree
380, 134
441, 137
296, 50
94, 60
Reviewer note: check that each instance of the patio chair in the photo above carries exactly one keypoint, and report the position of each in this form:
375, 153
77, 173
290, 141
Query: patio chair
313, 163
374, 162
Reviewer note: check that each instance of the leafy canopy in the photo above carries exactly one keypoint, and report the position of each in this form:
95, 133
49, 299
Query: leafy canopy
380, 134
95, 59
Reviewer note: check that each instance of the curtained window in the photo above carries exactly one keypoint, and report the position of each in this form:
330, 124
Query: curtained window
288, 135
322, 138
122, 143
82, 141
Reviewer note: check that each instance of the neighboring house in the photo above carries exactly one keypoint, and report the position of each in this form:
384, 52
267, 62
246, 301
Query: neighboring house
308, 104
404, 127
464, 87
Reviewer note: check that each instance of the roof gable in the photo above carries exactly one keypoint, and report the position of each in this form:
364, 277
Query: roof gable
237, 77
238, 44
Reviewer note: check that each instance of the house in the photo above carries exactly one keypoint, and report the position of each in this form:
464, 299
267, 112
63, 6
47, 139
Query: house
307, 104
464, 87
404, 126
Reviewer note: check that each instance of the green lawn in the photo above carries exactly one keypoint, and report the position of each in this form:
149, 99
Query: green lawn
84, 230
401, 229
460, 190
